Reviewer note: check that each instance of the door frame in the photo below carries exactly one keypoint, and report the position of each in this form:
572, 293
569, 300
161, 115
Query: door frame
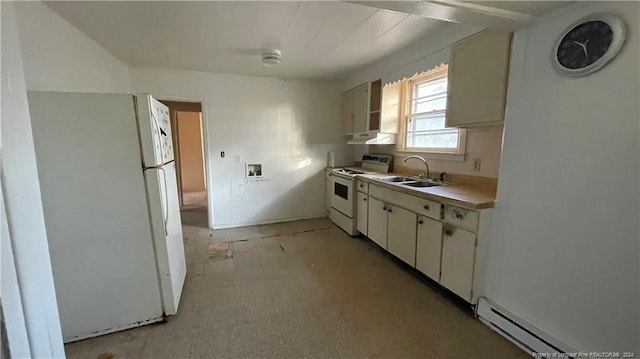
205, 143
174, 108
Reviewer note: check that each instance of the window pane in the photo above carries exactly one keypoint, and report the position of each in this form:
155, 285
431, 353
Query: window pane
446, 140
430, 88
427, 122
426, 118
435, 103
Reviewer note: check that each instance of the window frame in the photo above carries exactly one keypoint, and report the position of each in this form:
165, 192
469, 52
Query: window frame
406, 109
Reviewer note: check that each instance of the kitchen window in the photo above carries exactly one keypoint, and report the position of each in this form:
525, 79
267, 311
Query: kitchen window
425, 111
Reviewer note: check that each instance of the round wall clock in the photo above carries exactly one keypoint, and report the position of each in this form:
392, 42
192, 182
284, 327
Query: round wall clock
588, 44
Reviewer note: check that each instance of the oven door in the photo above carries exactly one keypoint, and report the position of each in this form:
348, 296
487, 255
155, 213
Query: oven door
342, 196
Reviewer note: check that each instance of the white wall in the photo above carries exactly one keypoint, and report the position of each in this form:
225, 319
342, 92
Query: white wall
58, 57
24, 214
287, 126
566, 239
483, 143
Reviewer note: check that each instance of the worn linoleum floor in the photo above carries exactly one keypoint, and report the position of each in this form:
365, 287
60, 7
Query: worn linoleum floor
301, 289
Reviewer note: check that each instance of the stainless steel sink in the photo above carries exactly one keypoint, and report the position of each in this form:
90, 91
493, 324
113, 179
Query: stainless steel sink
421, 184
395, 179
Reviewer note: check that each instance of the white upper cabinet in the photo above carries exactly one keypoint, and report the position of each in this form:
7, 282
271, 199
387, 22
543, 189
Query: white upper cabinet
347, 112
354, 109
478, 70
360, 115
390, 108
371, 108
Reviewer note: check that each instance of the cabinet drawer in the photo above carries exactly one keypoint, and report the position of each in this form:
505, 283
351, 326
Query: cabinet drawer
362, 186
416, 204
461, 217
428, 208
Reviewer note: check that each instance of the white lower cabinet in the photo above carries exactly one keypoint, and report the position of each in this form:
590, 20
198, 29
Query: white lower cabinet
439, 240
362, 212
401, 237
377, 222
458, 260
429, 247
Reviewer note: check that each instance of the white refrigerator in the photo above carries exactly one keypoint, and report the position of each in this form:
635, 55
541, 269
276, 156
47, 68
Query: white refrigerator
110, 200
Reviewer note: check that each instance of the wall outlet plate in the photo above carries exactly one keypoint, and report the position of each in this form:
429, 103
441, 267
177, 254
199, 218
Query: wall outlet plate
476, 164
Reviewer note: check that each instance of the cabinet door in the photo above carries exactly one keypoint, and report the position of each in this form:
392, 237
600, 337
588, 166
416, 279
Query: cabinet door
362, 212
360, 113
390, 111
402, 234
347, 112
478, 70
377, 222
458, 259
429, 247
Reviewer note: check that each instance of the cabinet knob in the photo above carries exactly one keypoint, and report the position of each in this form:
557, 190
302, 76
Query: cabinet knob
361, 185
384, 208
364, 199
426, 206
448, 233
420, 222
389, 211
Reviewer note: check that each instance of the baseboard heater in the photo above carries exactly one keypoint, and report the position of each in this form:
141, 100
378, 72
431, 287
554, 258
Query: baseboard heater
519, 332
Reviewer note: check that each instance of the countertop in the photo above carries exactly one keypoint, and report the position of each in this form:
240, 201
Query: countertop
476, 196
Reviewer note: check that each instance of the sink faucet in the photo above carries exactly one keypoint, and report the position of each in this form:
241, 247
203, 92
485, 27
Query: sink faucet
424, 174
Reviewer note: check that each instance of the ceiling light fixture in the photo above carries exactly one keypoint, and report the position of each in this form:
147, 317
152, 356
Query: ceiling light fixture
271, 57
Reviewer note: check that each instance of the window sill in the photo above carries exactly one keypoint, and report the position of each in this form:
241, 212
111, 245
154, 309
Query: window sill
442, 156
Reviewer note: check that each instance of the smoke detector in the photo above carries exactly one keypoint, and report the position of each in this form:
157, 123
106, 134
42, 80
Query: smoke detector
272, 57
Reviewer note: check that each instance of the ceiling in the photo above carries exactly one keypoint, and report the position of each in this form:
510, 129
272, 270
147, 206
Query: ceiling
318, 39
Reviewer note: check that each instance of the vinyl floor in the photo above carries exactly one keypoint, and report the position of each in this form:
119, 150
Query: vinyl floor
302, 289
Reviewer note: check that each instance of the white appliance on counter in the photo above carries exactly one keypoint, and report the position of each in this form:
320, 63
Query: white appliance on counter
108, 184
343, 195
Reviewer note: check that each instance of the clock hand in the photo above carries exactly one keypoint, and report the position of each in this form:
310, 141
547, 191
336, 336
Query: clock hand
584, 47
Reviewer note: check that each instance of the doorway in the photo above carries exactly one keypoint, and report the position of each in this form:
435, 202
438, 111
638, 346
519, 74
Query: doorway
188, 141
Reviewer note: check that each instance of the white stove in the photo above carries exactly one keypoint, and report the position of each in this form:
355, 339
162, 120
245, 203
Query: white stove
343, 197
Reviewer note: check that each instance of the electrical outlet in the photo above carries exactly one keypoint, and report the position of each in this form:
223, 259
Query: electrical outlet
476, 164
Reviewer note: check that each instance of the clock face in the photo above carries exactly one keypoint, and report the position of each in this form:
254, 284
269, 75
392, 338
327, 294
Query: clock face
584, 44
588, 44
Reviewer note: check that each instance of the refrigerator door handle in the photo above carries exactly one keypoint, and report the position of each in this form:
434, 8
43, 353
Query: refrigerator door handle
165, 214
160, 134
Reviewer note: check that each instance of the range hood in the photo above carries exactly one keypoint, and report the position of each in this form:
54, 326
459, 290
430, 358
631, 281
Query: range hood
372, 138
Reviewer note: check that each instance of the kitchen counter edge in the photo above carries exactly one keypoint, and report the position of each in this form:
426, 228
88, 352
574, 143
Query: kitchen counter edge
464, 195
